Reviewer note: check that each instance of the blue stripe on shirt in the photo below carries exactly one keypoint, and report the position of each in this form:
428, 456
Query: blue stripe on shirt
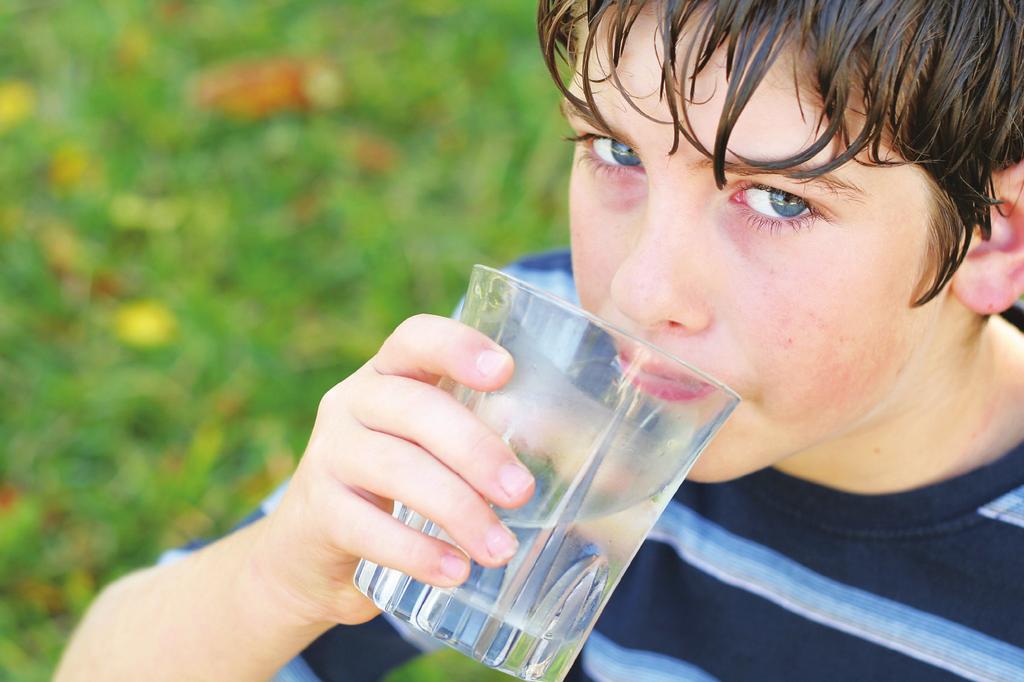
270, 504
759, 570
557, 282
1009, 508
296, 670
606, 661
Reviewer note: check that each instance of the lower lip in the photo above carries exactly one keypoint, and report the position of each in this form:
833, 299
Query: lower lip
671, 390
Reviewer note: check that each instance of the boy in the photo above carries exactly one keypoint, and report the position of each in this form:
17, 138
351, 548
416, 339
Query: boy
818, 202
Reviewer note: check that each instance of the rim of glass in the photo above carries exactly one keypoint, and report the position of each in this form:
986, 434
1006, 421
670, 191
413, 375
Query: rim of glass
604, 324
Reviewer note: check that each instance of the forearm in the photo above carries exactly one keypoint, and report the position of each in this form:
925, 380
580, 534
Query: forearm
206, 617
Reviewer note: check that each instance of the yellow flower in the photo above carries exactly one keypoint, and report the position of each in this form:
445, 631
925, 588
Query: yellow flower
134, 212
68, 166
134, 46
17, 102
145, 324
323, 85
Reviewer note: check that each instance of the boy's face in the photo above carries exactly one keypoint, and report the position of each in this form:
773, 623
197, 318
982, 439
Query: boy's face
797, 296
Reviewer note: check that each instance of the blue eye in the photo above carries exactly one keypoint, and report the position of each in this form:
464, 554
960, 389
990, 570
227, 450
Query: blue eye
614, 153
774, 203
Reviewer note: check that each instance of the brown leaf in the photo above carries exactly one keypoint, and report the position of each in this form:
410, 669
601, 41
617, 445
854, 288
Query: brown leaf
9, 496
43, 595
375, 154
62, 249
171, 11
229, 403
306, 207
105, 284
260, 88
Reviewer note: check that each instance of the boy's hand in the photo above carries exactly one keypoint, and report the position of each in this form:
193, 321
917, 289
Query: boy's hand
389, 433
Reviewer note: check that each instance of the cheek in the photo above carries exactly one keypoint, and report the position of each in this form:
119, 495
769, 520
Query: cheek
599, 234
829, 364
610, 191
825, 354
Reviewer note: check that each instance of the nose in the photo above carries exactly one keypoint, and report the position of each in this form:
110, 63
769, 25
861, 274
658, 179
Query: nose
665, 281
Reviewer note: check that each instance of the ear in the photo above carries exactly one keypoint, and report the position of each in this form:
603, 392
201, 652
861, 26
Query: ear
991, 277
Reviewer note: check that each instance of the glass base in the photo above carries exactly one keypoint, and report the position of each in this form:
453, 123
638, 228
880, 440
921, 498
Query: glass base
467, 623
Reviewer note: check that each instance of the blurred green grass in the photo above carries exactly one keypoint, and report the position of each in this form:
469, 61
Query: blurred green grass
179, 287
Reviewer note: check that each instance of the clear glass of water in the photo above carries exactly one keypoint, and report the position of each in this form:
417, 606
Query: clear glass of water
609, 425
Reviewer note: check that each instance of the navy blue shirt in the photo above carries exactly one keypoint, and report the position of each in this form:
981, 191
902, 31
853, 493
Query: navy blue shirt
769, 577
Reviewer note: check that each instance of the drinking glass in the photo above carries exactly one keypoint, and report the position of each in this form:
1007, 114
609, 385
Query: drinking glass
608, 425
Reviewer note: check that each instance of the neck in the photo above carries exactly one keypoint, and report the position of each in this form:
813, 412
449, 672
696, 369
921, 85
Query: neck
946, 424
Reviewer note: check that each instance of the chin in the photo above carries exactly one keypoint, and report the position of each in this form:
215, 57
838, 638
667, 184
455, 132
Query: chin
708, 471
719, 463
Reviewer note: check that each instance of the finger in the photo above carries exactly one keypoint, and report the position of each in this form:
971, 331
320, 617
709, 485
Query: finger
399, 470
427, 347
447, 429
362, 529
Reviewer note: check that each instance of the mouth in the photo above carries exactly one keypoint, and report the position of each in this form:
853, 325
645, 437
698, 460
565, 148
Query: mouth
662, 383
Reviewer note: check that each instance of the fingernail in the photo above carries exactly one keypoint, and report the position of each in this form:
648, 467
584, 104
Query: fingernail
453, 567
500, 543
490, 361
514, 479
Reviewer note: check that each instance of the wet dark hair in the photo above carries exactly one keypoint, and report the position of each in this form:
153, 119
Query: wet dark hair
941, 82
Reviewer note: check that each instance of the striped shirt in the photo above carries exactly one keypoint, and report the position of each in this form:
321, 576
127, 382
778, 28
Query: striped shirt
769, 577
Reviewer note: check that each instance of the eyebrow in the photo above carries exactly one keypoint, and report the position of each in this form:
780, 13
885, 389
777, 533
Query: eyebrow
571, 111
828, 182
